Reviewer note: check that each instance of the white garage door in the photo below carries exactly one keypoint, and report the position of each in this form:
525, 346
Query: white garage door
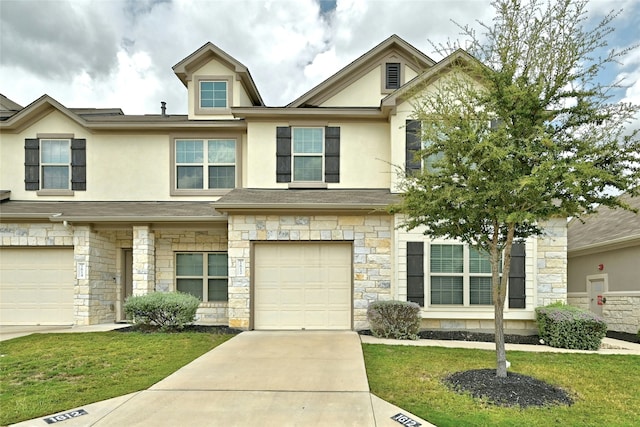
36, 286
302, 286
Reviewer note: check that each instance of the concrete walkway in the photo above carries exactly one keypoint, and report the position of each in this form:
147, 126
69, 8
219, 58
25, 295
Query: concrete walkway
256, 378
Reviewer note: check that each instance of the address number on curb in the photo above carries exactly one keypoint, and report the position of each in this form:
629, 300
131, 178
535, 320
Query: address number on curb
64, 417
405, 421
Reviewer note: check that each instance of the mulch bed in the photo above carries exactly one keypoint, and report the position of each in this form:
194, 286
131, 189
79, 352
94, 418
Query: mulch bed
514, 390
208, 329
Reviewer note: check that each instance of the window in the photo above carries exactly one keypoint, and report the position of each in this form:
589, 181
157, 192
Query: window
308, 152
54, 164
459, 275
203, 275
392, 75
414, 144
213, 94
203, 164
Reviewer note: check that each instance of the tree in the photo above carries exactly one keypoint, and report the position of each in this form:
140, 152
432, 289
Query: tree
520, 132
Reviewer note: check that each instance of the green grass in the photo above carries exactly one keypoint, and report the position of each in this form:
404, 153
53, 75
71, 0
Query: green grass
42, 374
605, 388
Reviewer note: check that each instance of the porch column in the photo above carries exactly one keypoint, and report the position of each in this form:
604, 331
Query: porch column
144, 265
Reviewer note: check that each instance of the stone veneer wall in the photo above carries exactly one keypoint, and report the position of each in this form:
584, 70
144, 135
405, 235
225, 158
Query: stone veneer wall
621, 312
370, 234
168, 242
551, 274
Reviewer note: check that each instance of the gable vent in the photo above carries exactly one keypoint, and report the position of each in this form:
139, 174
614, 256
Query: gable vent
392, 75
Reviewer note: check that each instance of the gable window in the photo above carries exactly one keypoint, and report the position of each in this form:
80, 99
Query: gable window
457, 274
205, 164
392, 75
308, 154
213, 94
54, 164
203, 275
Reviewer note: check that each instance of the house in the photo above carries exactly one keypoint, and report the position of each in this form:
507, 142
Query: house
603, 272
273, 216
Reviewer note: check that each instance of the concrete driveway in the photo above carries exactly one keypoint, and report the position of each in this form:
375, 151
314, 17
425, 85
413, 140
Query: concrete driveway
257, 378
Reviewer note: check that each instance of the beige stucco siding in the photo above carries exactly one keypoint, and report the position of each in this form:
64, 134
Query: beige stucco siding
363, 92
364, 154
622, 267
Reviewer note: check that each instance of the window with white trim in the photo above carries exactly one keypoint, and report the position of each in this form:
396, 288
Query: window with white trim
213, 93
205, 164
55, 164
459, 275
308, 154
203, 275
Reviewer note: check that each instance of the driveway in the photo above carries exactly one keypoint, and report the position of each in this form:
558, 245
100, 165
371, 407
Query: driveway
302, 378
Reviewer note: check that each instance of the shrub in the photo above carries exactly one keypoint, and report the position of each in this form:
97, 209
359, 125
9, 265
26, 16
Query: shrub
173, 310
564, 326
394, 319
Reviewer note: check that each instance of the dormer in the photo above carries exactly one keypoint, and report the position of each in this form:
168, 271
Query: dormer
216, 82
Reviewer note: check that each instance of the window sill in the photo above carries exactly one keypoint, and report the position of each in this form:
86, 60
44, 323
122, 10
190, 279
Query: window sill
308, 185
55, 193
221, 192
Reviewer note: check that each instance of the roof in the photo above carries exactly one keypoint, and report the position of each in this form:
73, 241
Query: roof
8, 107
606, 227
333, 83
110, 211
108, 118
315, 199
209, 51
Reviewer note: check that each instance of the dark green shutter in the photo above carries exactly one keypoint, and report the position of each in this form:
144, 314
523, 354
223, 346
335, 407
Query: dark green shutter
31, 164
414, 144
415, 272
79, 164
517, 277
332, 154
283, 154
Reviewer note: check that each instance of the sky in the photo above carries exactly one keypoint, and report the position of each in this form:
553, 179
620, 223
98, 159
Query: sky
119, 53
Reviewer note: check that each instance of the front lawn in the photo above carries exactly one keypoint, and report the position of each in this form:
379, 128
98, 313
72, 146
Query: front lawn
42, 374
605, 388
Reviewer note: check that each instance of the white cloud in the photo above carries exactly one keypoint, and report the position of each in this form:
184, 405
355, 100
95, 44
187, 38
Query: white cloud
119, 53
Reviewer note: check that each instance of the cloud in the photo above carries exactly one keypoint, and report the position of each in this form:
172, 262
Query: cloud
119, 53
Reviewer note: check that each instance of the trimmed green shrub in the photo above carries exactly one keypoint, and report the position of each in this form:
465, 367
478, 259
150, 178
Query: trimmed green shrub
565, 326
394, 319
167, 310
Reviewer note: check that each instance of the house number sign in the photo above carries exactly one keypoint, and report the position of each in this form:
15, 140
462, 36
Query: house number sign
405, 421
64, 417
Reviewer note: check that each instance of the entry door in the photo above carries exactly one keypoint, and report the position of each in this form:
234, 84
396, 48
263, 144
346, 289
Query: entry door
596, 289
127, 280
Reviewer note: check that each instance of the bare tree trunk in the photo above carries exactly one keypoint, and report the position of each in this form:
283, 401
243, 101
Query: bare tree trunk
500, 294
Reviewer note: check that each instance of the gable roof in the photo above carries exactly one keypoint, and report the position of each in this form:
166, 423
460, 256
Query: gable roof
433, 73
364, 63
606, 227
8, 107
206, 53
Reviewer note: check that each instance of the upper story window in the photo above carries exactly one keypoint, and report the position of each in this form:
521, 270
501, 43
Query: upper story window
54, 164
392, 75
308, 155
308, 152
213, 94
205, 164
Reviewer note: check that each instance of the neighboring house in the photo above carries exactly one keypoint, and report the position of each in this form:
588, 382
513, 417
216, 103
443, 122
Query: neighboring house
273, 216
604, 265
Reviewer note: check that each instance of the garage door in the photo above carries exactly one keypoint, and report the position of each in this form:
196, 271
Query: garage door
36, 286
302, 286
